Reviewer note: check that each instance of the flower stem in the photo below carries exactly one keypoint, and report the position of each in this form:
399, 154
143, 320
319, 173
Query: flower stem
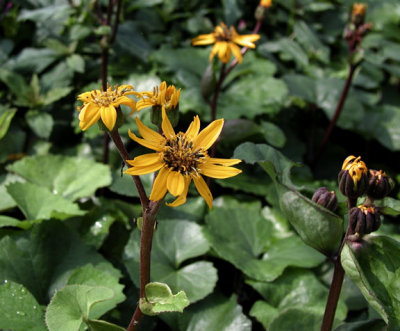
337, 280
338, 111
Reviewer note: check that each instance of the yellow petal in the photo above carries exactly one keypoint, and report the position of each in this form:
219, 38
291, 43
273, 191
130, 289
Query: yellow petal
108, 116
203, 189
209, 135
136, 171
246, 40
214, 51
224, 52
160, 185
127, 102
182, 197
218, 171
145, 160
203, 39
146, 143
193, 129
167, 128
88, 116
85, 97
144, 103
224, 162
236, 52
149, 134
175, 183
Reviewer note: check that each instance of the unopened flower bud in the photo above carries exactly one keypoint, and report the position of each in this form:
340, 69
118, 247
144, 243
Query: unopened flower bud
325, 198
353, 178
364, 219
379, 184
261, 9
358, 13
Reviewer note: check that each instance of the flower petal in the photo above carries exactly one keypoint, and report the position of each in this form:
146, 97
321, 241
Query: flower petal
108, 116
203, 189
236, 52
160, 185
218, 171
204, 39
127, 102
167, 128
144, 103
146, 143
182, 197
193, 129
224, 162
143, 170
175, 183
89, 115
224, 52
246, 40
209, 135
149, 134
144, 160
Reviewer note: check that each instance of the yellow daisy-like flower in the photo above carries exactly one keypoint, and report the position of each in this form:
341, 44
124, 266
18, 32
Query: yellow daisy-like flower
359, 9
355, 167
179, 158
266, 3
163, 96
102, 104
226, 42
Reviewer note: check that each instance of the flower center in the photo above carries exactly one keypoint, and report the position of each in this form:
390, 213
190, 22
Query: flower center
108, 97
180, 156
224, 35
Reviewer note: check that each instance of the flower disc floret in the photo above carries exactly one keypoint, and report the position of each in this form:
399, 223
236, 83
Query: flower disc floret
102, 104
180, 158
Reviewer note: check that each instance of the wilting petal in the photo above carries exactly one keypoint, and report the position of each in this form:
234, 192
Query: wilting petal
149, 134
182, 197
144, 160
209, 135
160, 185
136, 171
175, 183
224, 162
218, 171
146, 143
108, 116
203, 189
167, 128
193, 129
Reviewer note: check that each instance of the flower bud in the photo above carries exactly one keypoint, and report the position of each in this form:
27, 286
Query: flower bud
364, 219
325, 198
379, 184
261, 9
353, 178
358, 13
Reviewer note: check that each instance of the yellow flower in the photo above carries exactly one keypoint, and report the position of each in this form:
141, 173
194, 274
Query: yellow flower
266, 3
179, 158
226, 42
359, 9
163, 96
98, 103
355, 167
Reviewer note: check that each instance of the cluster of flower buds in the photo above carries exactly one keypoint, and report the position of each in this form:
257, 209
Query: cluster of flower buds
325, 198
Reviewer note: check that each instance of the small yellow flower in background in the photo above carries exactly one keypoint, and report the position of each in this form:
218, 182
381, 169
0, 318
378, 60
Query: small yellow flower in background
226, 42
265, 3
180, 157
163, 96
102, 104
359, 9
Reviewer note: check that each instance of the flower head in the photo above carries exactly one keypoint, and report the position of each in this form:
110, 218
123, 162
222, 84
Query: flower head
180, 157
355, 167
379, 184
353, 178
226, 41
363, 220
163, 97
359, 9
102, 104
265, 3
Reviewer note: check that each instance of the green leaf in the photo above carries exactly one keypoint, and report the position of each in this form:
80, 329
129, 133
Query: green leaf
159, 299
35, 59
55, 94
40, 123
71, 305
263, 312
37, 202
317, 226
241, 242
371, 325
70, 177
19, 310
12, 144
42, 258
76, 63
99, 325
197, 279
6, 115
273, 134
124, 184
373, 265
10, 221
389, 206
304, 318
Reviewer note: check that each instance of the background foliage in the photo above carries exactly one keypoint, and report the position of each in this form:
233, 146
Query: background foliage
67, 220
